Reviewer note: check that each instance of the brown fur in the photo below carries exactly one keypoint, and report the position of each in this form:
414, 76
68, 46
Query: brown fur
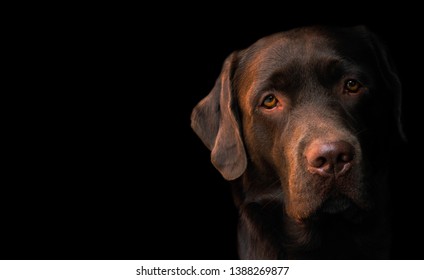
290, 207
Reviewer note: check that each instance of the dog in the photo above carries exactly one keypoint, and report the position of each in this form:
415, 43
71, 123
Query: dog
302, 123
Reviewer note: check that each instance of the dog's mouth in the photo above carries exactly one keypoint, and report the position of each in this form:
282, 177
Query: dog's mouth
335, 205
339, 209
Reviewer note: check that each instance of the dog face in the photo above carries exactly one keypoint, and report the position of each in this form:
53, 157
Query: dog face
310, 110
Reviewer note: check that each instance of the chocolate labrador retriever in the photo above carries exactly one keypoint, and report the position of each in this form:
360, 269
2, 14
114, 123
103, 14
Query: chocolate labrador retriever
302, 122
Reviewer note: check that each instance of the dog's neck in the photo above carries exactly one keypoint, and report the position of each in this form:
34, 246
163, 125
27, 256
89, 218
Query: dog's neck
322, 236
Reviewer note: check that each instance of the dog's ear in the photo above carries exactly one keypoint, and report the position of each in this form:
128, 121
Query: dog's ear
390, 78
215, 121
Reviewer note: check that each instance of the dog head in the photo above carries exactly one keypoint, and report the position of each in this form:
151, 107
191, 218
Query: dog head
311, 109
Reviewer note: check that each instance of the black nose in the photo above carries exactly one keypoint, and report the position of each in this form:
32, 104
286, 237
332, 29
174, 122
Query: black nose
333, 158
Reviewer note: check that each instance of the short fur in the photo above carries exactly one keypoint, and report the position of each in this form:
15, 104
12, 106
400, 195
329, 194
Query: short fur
290, 205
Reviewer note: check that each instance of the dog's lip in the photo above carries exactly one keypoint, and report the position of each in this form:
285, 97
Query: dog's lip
336, 205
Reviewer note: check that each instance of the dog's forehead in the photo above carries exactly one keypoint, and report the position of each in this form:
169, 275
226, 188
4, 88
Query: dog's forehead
301, 45
302, 51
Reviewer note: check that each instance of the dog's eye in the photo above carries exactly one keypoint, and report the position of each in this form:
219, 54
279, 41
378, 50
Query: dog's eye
352, 86
270, 101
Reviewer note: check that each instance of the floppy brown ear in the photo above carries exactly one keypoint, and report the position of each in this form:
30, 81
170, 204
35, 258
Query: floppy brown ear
215, 121
391, 80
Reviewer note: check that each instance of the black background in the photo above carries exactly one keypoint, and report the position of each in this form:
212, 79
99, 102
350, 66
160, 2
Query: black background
104, 164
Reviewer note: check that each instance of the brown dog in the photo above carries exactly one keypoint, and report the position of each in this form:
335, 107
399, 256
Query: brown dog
301, 122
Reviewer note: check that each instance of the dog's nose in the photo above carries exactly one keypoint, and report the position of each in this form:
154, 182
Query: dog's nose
333, 158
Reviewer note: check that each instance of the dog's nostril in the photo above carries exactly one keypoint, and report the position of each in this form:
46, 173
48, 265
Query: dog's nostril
345, 157
329, 158
318, 162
